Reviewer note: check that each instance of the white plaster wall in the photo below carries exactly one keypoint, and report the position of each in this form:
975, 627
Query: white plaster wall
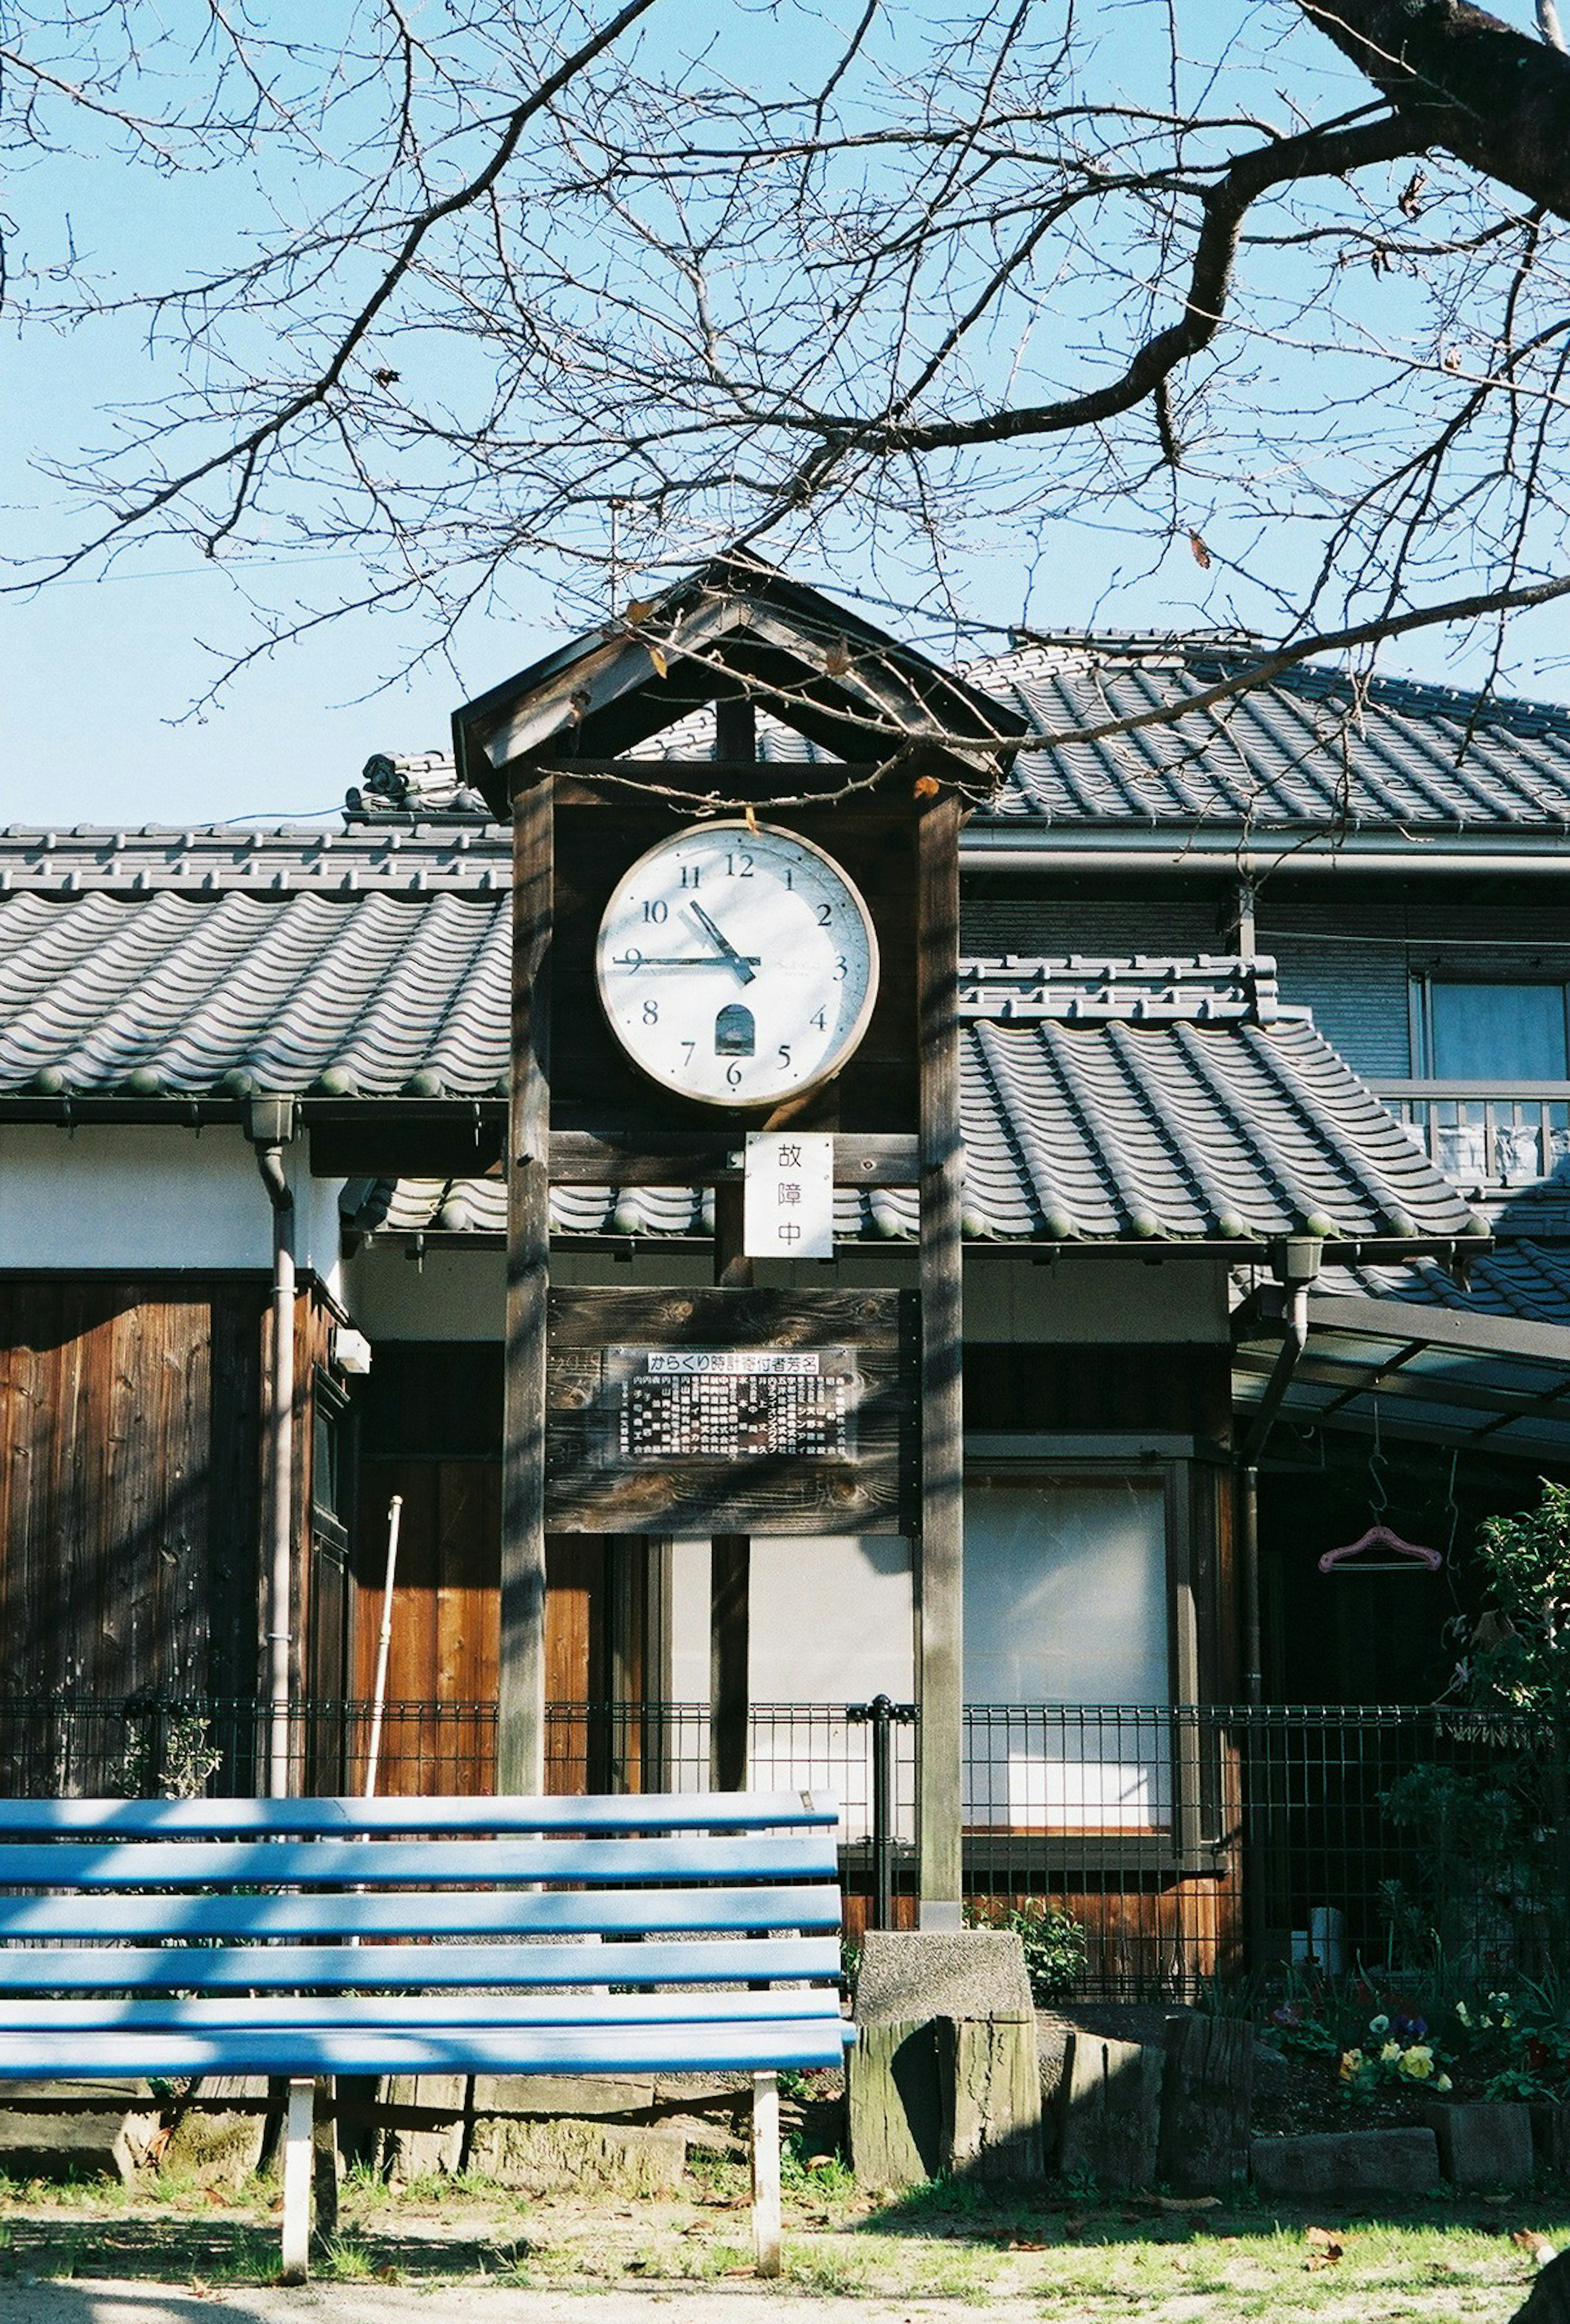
1084, 1297
831, 1621
152, 1197
449, 1295
461, 1295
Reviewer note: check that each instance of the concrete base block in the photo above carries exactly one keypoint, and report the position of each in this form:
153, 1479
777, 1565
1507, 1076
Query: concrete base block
543, 2158
1346, 2163
1484, 2146
907, 1976
75, 2142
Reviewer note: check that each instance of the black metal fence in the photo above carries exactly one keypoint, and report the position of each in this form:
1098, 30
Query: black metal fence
1184, 1844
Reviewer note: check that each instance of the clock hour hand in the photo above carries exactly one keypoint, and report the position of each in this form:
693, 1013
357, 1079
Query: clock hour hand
637, 960
738, 961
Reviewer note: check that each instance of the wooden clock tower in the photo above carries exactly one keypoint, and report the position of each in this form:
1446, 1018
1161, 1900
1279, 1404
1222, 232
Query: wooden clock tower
606, 1092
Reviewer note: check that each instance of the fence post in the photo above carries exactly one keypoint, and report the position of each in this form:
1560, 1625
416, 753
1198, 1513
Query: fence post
883, 1716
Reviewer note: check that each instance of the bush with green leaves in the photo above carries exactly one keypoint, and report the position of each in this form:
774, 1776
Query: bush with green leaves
1054, 1944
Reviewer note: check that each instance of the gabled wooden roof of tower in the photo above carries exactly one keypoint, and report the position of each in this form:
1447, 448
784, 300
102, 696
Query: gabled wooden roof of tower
736, 630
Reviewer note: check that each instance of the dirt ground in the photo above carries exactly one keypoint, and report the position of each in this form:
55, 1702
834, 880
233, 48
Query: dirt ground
473, 2253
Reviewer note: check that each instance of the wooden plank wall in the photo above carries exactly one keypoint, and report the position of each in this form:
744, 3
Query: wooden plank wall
129, 1485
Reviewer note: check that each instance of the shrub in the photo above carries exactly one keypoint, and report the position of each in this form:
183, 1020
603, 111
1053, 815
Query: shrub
1053, 1942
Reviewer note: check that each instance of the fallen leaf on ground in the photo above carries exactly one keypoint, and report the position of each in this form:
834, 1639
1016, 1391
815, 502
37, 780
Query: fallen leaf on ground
1527, 2239
1019, 2243
1323, 2249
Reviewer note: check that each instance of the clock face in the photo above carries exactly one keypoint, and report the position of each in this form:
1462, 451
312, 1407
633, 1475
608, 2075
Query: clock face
737, 966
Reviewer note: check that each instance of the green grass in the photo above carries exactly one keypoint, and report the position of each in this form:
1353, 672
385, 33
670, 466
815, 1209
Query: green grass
1072, 2257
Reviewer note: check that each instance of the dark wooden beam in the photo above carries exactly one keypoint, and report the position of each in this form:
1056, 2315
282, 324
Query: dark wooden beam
730, 1557
707, 1159
940, 1569
520, 1702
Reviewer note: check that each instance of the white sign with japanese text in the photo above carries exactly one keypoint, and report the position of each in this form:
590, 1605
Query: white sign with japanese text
789, 1195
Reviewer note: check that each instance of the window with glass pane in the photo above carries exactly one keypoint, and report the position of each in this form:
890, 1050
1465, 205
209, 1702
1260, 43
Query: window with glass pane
1066, 1604
1498, 1032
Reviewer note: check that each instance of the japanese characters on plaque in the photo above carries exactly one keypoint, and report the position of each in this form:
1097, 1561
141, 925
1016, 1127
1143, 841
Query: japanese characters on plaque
696, 1404
788, 1194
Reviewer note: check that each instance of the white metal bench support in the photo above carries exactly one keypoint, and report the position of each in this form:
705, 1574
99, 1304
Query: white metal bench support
766, 2172
298, 2158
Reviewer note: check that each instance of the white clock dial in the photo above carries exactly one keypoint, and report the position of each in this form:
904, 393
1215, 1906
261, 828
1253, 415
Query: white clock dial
737, 966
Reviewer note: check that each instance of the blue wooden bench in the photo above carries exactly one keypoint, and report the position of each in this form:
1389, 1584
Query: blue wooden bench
314, 1937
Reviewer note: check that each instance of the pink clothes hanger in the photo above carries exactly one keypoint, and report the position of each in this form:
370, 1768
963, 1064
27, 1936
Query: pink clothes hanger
1404, 1555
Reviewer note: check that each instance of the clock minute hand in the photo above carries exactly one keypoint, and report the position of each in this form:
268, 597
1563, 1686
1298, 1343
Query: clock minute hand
738, 961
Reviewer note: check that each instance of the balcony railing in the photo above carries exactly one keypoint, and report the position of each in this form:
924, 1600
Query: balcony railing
1480, 1135
1187, 1843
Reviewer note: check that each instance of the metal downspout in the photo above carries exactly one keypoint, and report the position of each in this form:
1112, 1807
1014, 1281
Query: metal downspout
280, 1438
1296, 1266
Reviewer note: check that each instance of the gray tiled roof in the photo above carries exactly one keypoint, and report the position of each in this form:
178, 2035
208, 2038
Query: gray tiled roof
1518, 1278
1309, 748
1148, 1101
150, 964
1159, 1099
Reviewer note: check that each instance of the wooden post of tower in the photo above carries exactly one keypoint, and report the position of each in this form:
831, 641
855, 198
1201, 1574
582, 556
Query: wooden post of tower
940, 1569
730, 1553
521, 1698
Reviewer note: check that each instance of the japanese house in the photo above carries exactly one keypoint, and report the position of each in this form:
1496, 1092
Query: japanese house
1266, 1103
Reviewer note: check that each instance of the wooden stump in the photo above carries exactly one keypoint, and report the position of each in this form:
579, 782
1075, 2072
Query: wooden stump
993, 2086
1206, 2096
896, 2104
1109, 2113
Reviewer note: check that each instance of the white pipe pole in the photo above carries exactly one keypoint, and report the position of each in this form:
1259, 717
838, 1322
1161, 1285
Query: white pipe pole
383, 1645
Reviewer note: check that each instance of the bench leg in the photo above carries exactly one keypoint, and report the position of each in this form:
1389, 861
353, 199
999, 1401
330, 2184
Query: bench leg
297, 2147
766, 2172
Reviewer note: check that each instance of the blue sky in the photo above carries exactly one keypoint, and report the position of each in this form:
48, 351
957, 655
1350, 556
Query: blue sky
97, 674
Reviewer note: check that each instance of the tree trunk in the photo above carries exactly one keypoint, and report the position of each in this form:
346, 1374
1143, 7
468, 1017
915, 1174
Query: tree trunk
1495, 98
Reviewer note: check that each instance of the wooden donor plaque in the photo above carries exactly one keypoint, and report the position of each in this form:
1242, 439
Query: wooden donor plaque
729, 1410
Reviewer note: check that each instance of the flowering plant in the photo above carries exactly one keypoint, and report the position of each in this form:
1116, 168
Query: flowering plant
1516, 2042
1399, 2050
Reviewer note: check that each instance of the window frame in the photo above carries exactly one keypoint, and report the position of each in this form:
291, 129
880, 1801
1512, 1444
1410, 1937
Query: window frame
1194, 1842
1424, 1030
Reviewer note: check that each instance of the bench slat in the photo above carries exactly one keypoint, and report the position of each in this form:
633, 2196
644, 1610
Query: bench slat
413, 1967
332, 1863
434, 1912
343, 1817
751, 2048
401, 2011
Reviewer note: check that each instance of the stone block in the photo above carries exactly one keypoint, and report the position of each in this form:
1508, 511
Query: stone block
1484, 2146
1346, 2163
994, 2092
1109, 2110
579, 2094
1551, 2137
543, 2158
215, 2147
76, 2142
895, 2104
907, 1976
1207, 2099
